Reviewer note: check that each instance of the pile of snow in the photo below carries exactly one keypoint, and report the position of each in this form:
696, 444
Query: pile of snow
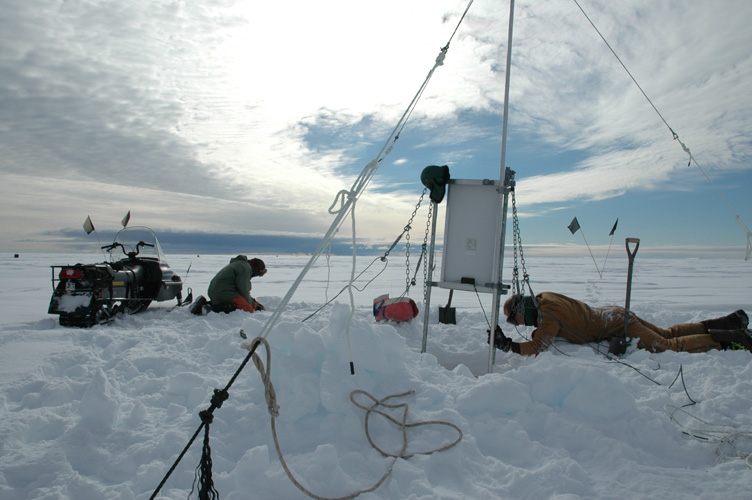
104, 412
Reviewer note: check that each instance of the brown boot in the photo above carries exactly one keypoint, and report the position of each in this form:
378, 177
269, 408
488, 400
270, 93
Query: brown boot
737, 320
733, 339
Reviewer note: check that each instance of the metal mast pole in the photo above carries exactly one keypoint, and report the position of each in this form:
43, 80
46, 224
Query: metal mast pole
429, 278
502, 178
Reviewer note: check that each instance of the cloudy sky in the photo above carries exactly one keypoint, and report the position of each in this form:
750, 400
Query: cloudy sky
231, 125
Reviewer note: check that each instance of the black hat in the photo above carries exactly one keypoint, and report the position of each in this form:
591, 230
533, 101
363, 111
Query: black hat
258, 268
435, 178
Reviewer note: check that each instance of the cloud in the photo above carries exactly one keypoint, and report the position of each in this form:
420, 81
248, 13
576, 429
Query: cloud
247, 117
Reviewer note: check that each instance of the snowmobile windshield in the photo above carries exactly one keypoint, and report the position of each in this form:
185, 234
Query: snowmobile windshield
136, 239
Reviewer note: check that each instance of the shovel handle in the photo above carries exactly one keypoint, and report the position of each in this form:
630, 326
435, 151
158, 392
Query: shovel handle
633, 252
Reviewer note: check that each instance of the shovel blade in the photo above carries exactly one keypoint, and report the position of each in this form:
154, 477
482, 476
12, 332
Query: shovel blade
618, 346
447, 315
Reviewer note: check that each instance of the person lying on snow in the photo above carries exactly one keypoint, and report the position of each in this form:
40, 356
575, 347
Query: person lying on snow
561, 316
230, 289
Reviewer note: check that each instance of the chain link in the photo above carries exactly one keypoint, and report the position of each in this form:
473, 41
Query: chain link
517, 248
425, 254
407, 240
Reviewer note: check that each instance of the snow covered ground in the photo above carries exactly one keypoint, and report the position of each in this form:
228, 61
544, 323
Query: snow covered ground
102, 413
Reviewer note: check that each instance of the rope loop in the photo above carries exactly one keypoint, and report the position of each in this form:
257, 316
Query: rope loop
264, 371
341, 199
402, 423
270, 394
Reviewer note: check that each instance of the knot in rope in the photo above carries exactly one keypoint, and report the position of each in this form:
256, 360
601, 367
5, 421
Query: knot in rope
206, 416
220, 396
442, 55
341, 199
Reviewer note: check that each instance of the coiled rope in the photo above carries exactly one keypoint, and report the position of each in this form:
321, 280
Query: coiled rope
273, 408
724, 436
203, 477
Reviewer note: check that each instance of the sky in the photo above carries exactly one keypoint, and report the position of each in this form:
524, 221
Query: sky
231, 126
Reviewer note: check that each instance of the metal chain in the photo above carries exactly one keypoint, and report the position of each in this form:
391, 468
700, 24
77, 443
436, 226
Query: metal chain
425, 254
517, 248
407, 240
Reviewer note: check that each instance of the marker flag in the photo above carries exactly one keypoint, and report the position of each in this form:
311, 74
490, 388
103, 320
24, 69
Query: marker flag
574, 226
613, 229
88, 225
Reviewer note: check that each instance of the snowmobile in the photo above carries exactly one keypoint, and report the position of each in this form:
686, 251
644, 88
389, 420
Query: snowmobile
136, 274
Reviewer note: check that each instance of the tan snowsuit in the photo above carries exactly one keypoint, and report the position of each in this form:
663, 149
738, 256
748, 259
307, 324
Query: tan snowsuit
577, 322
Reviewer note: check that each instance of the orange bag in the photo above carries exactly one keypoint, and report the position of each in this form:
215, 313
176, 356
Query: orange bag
399, 309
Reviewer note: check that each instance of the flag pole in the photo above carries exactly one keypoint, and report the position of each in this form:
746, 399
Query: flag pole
613, 230
607, 252
573, 227
89, 228
591, 254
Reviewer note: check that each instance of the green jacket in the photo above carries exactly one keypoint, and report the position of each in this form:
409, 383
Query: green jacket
232, 280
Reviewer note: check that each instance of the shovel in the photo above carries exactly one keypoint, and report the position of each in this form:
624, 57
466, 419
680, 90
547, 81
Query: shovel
618, 345
447, 313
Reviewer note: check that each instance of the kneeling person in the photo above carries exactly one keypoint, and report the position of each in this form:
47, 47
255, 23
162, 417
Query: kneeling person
230, 289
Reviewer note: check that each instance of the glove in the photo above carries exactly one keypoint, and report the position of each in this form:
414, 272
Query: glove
501, 341
257, 306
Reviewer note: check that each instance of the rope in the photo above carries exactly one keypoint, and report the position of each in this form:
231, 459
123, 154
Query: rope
480, 302
723, 436
359, 185
405, 233
328, 271
220, 396
597, 349
713, 433
350, 292
386, 263
204, 469
345, 205
674, 135
402, 423
273, 407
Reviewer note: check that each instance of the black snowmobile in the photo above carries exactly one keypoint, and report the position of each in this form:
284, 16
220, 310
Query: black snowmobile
135, 275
